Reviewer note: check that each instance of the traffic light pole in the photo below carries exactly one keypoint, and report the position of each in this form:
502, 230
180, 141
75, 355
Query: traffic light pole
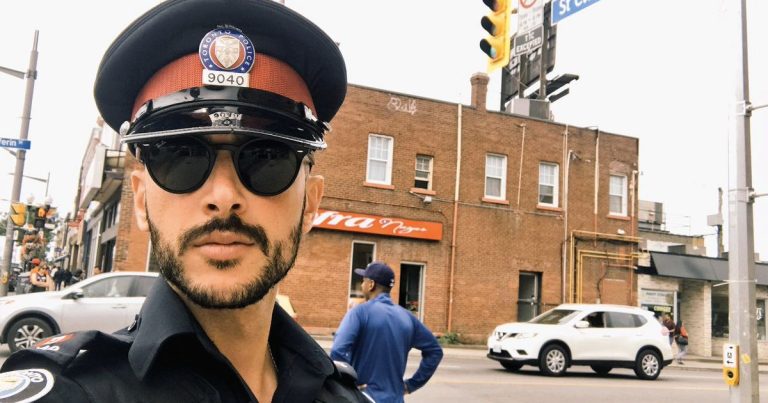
19, 172
741, 255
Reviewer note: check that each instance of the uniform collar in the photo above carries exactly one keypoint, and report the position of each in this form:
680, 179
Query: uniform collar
164, 316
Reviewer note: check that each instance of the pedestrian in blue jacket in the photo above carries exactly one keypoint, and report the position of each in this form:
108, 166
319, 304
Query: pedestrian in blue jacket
376, 336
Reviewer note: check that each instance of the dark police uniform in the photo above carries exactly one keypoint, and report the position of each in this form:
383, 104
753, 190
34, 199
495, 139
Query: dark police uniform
196, 67
165, 356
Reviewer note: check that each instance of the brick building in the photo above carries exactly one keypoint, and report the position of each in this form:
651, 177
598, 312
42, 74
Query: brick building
485, 217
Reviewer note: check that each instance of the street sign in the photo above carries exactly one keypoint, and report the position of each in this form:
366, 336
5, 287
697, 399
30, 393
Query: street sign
530, 16
15, 143
566, 8
528, 42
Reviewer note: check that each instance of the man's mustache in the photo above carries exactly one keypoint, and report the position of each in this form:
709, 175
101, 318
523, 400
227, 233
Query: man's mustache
232, 224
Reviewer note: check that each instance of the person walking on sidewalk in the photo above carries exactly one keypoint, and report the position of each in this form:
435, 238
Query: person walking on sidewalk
376, 336
669, 324
681, 338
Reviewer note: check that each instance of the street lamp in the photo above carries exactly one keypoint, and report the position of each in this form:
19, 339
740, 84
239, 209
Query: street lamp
30, 75
46, 180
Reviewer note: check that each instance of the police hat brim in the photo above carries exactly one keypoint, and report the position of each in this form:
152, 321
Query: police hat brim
174, 29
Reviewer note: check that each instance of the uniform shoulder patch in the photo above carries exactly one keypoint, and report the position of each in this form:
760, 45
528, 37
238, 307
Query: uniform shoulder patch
26, 385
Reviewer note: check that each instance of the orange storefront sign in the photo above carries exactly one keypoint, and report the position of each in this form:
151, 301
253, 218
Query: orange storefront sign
371, 224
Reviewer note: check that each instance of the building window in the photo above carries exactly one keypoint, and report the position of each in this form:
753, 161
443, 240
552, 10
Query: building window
618, 195
423, 172
379, 159
719, 316
548, 180
760, 316
495, 176
362, 254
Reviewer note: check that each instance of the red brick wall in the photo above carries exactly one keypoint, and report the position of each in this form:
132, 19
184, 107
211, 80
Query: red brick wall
494, 242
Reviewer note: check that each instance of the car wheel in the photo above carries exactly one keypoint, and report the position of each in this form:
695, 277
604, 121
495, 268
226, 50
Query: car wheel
511, 366
26, 332
553, 361
648, 365
601, 369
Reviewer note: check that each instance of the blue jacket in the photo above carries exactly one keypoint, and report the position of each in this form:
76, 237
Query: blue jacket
375, 338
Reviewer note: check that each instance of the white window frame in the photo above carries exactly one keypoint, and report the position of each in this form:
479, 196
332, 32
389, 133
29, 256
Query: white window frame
622, 194
554, 185
388, 161
503, 177
428, 171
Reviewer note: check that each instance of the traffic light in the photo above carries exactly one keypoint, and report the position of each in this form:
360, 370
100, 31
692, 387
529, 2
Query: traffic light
497, 46
19, 214
41, 216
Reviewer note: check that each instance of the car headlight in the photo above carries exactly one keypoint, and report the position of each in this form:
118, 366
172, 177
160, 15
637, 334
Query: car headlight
525, 335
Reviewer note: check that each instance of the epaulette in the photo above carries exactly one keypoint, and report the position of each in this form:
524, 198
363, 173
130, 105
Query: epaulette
341, 386
345, 373
56, 353
29, 374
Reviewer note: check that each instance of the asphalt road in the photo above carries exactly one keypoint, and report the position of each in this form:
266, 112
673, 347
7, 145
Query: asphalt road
473, 379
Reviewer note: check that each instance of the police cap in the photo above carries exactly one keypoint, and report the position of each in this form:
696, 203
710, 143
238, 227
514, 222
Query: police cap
202, 66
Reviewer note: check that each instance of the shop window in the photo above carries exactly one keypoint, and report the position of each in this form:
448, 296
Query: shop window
379, 159
719, 316
495, 176
548, 178
618, 195
410, 295
423, 172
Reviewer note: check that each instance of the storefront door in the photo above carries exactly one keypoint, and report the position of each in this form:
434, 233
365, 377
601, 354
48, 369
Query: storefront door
528, 298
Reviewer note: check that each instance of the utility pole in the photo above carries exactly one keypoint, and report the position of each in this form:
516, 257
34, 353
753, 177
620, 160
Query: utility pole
741, 252
31, 75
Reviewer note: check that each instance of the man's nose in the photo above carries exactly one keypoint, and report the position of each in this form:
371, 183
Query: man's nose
224, 194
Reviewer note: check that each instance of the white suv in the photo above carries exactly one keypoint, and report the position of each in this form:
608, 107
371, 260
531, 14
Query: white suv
601, 336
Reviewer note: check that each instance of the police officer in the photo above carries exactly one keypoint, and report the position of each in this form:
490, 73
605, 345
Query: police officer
223, 102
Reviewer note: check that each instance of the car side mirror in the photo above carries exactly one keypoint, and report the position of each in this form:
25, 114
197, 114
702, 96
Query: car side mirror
582, 324
75, 294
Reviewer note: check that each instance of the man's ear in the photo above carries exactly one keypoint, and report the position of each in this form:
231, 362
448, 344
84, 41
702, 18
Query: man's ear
139, 187
315, 186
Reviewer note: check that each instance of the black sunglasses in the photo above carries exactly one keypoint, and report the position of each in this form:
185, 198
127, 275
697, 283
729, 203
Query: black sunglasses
182, 164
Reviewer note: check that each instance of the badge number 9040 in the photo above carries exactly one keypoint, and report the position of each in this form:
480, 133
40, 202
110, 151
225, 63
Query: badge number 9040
226, 78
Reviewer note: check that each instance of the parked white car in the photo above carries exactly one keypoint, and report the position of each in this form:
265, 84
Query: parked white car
599, 335
106, 302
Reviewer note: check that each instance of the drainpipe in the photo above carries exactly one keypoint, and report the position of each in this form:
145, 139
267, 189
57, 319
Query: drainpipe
567, 166
520, 170
455, 218
597, 174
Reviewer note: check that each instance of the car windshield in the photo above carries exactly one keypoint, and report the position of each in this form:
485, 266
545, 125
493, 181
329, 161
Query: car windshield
554, 317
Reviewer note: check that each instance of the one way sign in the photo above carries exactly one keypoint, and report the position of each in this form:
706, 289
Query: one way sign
566, 8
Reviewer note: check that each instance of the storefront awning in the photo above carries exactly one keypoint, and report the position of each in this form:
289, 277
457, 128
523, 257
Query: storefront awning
699, 267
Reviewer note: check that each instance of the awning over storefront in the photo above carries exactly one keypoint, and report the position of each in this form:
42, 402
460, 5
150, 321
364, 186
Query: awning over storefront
699, 267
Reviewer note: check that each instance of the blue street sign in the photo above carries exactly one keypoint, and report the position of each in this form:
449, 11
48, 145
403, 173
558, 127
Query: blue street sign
15, 143
566, 8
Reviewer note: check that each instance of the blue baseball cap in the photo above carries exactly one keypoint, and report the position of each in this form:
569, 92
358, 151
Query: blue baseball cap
379, 272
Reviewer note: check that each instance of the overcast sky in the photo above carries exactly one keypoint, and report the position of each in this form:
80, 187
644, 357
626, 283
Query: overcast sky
656, 70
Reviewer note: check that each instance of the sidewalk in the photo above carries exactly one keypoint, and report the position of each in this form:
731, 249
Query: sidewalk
690, 362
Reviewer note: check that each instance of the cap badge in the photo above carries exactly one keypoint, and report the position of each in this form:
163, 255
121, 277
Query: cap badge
227, 56
225, 119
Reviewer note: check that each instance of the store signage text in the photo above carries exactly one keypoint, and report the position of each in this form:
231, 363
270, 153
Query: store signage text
388, 226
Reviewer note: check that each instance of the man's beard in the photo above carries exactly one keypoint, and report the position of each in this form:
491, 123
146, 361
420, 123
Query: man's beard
274, 270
